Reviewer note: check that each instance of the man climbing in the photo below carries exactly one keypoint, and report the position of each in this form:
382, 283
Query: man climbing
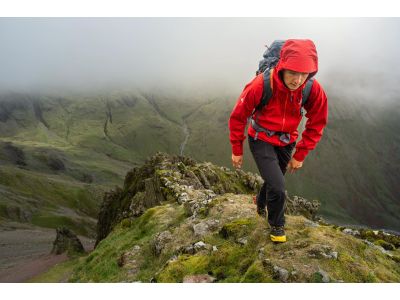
275, 99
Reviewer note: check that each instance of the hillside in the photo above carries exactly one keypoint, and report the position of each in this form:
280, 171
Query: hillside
176, 220
60, 154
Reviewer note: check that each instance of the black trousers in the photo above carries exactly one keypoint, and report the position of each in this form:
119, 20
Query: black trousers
272, 162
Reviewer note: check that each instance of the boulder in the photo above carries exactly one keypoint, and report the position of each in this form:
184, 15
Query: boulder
281, 274
160, 240
301, 206
66, 241
322, 251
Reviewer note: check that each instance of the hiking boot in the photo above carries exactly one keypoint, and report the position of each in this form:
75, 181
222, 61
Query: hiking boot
277, 234
260, 210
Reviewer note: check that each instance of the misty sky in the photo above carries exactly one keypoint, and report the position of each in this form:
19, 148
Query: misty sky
43, 53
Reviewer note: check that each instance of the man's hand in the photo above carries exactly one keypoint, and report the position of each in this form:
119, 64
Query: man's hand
237, 161
293, 165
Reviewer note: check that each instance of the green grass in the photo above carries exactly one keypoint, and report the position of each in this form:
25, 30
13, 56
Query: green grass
101, 265
49, 191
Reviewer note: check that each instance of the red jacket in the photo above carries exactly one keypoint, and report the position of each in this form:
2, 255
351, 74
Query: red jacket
282, 113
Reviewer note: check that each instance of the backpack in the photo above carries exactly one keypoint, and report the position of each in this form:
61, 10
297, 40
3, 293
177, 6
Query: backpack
270, 60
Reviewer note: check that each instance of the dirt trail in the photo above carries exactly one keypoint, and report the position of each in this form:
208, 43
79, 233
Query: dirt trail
25, 253
30, 268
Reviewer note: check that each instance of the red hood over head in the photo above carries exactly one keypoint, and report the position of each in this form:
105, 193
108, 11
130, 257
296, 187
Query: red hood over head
300, 56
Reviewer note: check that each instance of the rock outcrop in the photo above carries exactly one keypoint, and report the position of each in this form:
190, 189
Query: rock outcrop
176, 220
170, 178
67, 241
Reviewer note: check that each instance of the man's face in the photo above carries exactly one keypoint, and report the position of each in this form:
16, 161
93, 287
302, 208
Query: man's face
294, 80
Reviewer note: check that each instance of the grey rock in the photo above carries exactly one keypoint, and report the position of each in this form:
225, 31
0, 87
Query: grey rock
261, 253
66, 241
172, 259
189, 250
325, 275
160, 240
309, 223
242, 241
200, 229
301, 206
182, 198
321, 251
137, 206
205, 227
200, 246
281, 274
351, 232
380, 248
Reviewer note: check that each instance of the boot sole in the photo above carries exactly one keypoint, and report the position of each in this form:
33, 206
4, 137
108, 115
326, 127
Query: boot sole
278, 239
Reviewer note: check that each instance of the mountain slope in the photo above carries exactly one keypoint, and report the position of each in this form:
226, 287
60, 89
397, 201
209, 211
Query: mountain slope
96, 139
187, 232
59, 154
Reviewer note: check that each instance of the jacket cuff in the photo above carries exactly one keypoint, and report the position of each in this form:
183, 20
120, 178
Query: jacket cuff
300, 154
237, 149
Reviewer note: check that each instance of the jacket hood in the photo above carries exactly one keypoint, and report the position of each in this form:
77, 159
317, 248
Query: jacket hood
299, 56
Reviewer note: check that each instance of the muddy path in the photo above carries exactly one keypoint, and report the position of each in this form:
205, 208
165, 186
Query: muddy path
25, 252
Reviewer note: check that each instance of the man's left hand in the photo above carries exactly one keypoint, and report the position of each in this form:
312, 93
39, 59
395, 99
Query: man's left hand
293, 165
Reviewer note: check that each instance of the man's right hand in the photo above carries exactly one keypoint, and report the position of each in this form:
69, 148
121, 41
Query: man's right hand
237, 161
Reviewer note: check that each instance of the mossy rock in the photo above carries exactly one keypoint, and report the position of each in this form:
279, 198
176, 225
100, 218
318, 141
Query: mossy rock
396, 258
371, 236
316, 277
203, 212
257, 273
237, 228
185, 265
368, 235
126, 223
394, 240
385, 245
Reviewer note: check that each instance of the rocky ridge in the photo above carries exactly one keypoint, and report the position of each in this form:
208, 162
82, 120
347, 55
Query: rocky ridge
176, 220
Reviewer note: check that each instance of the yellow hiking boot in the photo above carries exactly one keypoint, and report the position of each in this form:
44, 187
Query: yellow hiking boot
277, 234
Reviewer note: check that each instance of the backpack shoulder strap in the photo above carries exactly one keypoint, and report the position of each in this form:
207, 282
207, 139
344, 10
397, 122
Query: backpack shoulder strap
267, 91
307, 91
268, 88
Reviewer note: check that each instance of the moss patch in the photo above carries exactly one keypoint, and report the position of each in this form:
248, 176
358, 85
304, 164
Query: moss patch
237, 228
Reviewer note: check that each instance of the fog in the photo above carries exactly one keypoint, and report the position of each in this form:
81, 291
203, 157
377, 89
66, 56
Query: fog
47, 54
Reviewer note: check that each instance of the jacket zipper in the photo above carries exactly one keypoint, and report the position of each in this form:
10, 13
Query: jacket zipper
284, 115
